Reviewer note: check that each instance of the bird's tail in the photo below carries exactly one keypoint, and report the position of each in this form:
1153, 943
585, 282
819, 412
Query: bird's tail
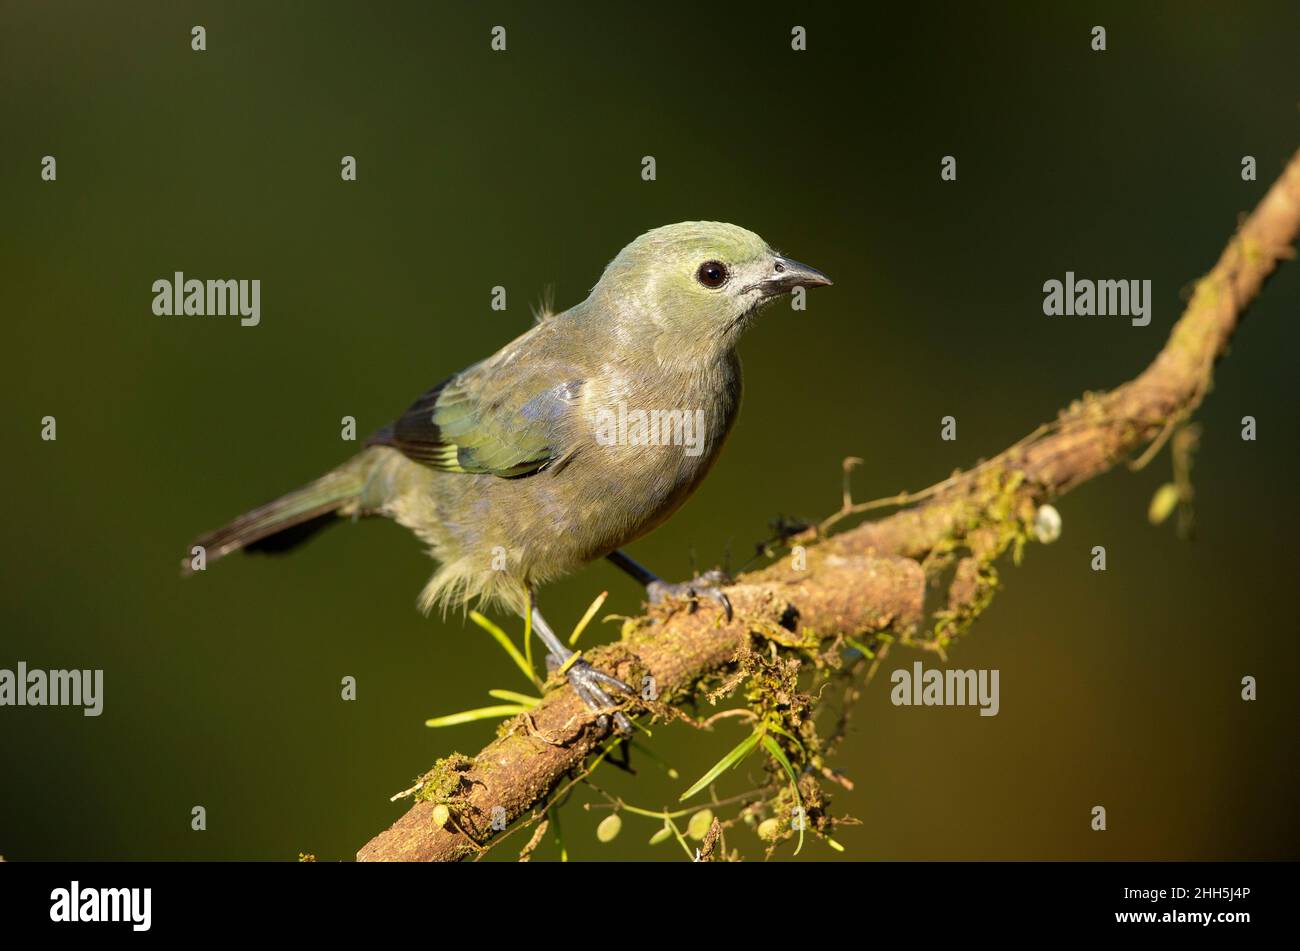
289, 520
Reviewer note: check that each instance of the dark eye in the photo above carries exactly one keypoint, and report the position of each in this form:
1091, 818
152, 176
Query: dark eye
712, 274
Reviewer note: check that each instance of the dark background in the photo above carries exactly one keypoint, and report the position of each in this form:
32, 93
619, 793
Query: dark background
523, 169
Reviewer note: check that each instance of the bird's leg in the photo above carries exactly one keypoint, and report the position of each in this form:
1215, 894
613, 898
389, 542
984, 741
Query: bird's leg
588, 682
657, 590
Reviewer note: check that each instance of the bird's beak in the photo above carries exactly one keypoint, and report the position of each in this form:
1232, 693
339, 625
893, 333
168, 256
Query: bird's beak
788, 274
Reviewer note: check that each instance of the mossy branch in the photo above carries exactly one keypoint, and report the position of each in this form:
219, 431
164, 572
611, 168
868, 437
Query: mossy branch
872, 578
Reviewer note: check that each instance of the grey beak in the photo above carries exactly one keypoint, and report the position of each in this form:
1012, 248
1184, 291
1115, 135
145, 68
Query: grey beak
788, 274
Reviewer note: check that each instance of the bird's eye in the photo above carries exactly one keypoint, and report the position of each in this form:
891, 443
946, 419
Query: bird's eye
712, 274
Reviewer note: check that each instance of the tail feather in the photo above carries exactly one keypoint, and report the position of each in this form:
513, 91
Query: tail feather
287, 521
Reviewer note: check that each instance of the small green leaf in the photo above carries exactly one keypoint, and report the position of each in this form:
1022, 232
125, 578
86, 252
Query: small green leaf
520, 698
734, 758
777, 728
697, 827
482, 713
609, 828
778, 754
586, 618
663, 835
773, 747
860, 647
528, 633
508, 646
1163, 503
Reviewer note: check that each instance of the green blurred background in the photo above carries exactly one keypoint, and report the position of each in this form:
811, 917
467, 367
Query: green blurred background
475, 169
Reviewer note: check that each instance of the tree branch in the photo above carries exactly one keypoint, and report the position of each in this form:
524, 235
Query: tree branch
873, 577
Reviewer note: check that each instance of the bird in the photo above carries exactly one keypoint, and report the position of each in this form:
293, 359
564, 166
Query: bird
578, 437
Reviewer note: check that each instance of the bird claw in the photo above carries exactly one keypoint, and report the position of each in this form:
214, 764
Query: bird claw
589, 684
701, 586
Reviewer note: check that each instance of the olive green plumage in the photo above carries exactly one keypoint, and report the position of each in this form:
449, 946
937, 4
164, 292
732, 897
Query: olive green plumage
508, 471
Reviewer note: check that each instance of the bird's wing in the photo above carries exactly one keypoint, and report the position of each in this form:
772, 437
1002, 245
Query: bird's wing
497, 417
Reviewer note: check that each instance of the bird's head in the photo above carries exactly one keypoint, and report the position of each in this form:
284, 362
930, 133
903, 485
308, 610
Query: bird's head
697, 283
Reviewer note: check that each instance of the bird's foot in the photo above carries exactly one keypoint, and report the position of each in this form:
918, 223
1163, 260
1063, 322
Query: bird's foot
590, 684
704, 586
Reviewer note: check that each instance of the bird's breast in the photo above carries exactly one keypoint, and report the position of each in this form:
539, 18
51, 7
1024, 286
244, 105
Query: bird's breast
643, 442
